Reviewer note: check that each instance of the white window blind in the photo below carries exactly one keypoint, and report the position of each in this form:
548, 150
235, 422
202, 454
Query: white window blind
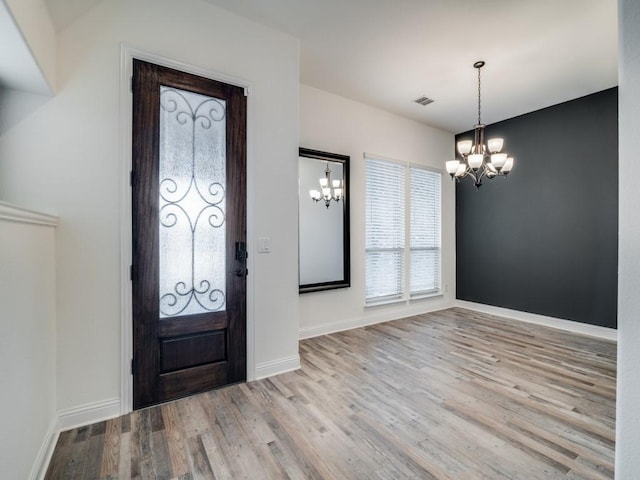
401, 249
425, 231
385, 228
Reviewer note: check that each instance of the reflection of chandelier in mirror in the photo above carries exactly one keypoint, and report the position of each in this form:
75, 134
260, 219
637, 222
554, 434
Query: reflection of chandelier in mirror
478, 159
329, 189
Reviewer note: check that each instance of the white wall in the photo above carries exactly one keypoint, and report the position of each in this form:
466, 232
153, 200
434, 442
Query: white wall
27, 343
338, 125
628, 391
66, 158
17, 105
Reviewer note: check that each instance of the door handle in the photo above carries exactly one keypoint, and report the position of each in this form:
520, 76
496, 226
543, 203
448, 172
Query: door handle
241, 258
241, 252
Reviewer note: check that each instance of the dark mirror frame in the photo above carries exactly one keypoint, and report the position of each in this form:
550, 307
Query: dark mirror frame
345, 281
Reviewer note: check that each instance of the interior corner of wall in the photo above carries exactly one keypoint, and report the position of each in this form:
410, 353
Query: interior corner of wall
43, 457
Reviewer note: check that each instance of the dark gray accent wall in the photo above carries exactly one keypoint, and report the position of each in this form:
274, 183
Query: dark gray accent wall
545, 239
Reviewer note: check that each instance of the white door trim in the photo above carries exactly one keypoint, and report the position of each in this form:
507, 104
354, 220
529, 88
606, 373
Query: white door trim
127, 54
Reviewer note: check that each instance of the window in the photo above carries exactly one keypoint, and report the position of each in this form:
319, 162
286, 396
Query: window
401, 249
424, 227
385, 231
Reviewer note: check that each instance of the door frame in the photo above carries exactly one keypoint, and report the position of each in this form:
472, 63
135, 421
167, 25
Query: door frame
127, 54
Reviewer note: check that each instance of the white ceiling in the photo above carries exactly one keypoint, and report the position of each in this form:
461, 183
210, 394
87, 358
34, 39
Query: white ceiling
64, 12
18, 68
386, 53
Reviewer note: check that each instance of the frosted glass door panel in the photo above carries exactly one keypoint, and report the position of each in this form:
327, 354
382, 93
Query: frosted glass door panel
192, 203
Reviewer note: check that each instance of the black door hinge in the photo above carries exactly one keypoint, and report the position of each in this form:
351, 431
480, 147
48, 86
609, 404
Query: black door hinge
131, 272
133, 366
131, 178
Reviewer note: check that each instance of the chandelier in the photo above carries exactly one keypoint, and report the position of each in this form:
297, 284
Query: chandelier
480, 160
329, 189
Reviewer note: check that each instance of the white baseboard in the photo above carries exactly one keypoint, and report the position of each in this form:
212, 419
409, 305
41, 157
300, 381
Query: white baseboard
275, 367
334, 327
559, 323
39, 469
88, 414
366, 320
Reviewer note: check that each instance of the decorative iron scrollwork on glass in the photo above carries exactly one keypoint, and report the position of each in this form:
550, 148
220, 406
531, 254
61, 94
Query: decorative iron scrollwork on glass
192, 203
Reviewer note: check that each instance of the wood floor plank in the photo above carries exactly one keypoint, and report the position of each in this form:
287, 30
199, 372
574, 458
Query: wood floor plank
175, 440
124, 465
93, 459
244, 460
111, 453
160, 455
446, 395
256, 432
199, 460
216, 457
135, 448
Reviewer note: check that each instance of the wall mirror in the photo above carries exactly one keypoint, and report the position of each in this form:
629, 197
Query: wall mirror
323, 197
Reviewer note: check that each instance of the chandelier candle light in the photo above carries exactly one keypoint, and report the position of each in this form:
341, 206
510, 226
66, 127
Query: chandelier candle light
478, 159
329, 189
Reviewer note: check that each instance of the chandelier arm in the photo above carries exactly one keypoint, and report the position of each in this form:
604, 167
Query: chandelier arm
477, 178
470, 173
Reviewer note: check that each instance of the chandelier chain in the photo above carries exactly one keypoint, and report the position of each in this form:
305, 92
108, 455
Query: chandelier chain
479, 96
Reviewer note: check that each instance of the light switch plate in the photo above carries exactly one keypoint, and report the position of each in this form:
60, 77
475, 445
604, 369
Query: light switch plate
264, 245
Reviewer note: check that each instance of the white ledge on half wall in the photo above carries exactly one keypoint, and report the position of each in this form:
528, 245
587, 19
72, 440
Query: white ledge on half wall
559, 323
13, 213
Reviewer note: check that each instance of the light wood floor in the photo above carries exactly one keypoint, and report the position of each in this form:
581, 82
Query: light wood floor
448, 395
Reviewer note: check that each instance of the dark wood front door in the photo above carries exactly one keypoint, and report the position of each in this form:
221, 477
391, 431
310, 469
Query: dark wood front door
189, 234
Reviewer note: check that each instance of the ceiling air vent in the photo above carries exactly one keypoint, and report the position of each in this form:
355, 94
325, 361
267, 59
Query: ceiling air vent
423, 100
